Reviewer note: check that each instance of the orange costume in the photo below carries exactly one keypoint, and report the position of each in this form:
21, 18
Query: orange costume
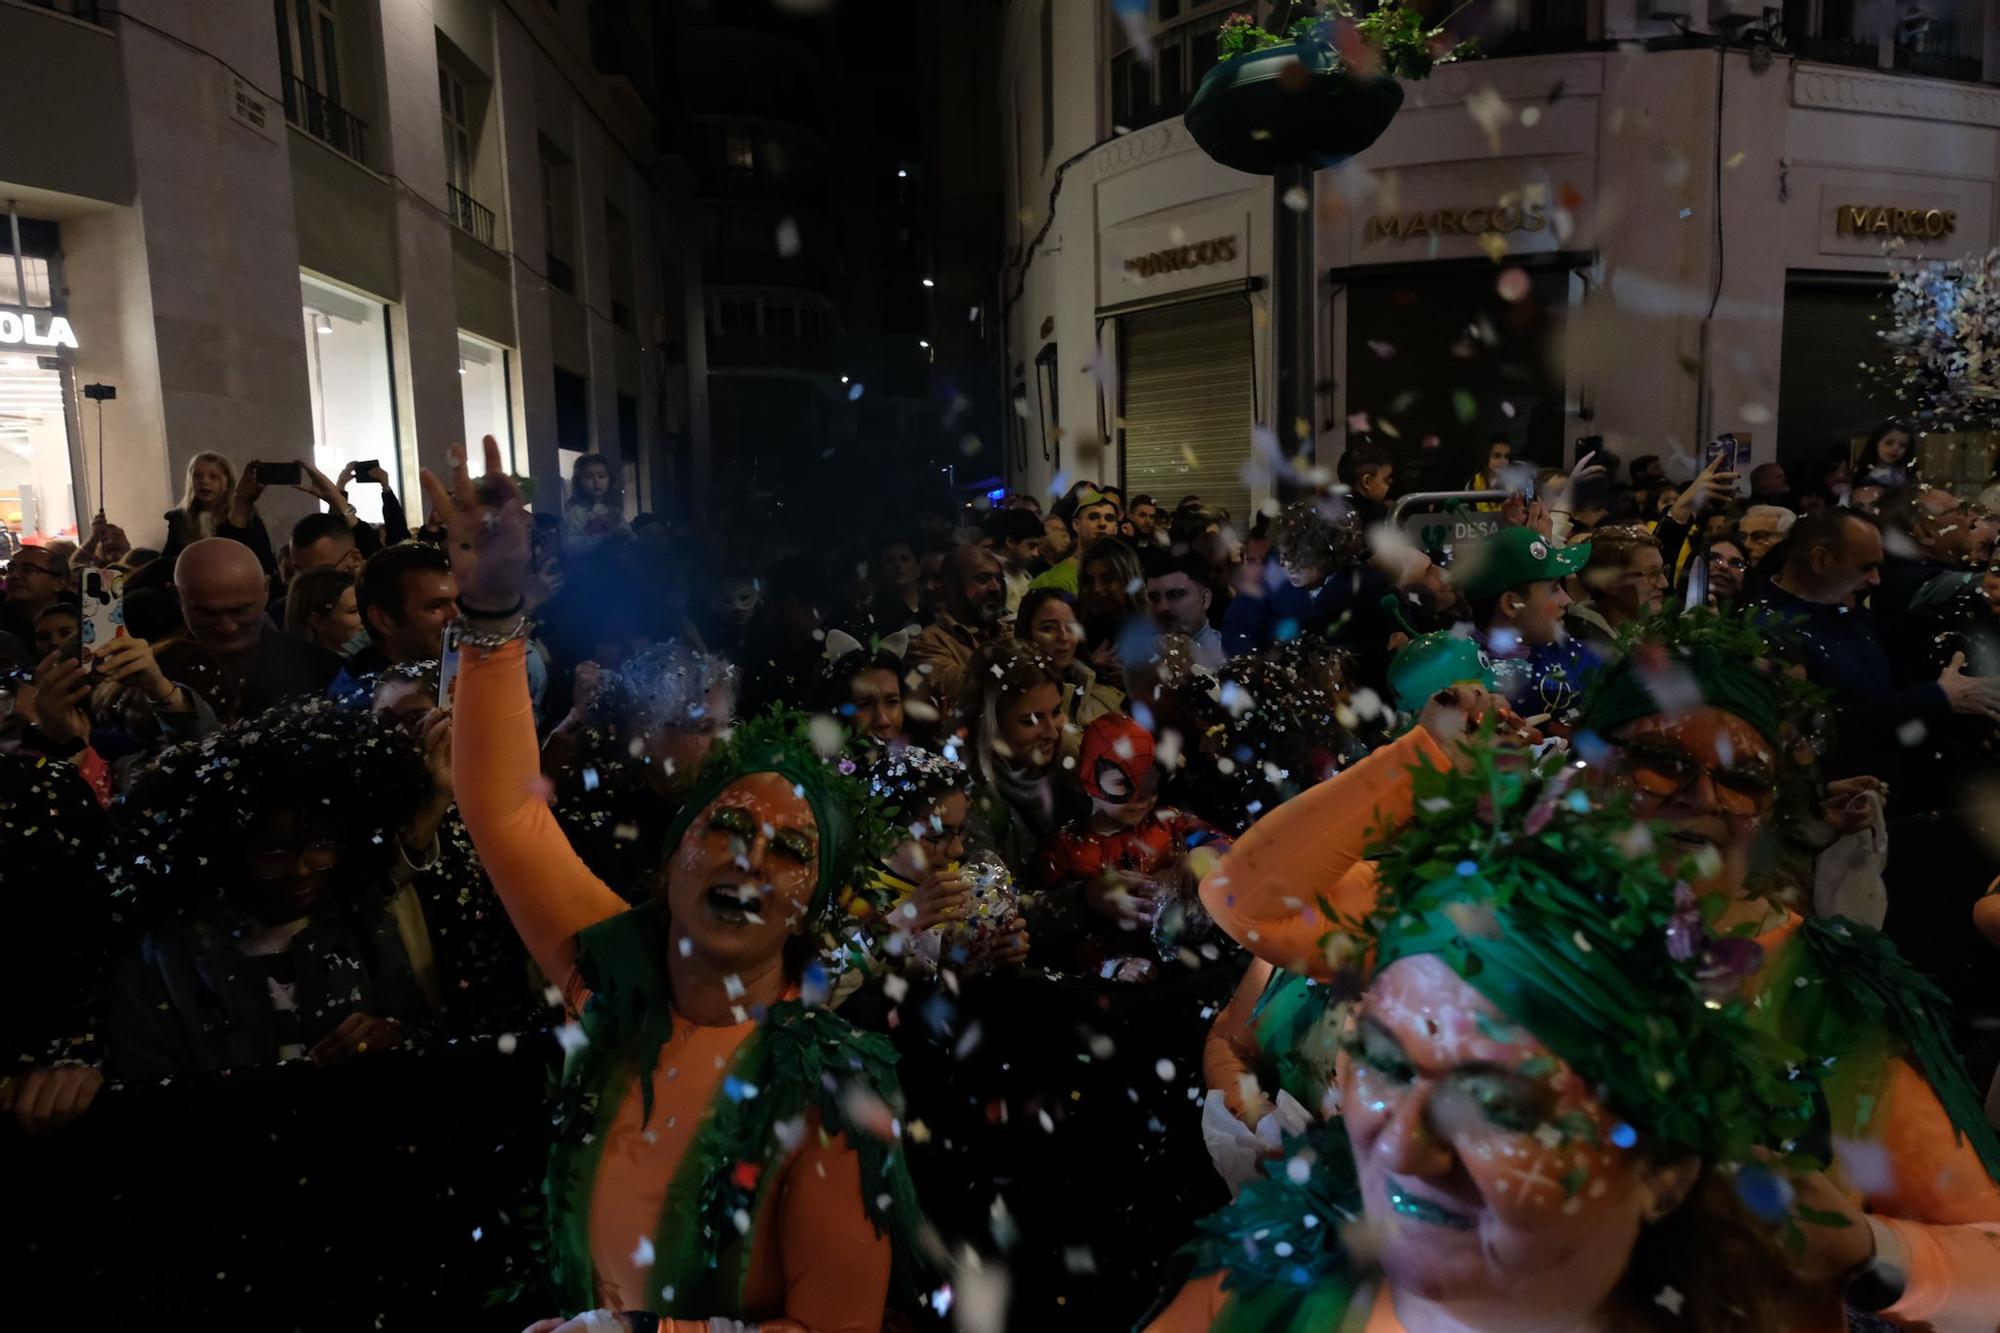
1926, 1187
816, 1257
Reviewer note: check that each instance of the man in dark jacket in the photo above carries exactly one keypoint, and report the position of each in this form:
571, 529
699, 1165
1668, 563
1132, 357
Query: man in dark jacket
1927, 532
244, 663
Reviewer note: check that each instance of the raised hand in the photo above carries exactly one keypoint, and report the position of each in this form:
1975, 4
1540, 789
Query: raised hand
243, 504
487, 532
61, 686
1708, 486
1976, 696
131, 662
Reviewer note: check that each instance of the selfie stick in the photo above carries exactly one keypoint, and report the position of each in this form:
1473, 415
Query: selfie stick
98, 393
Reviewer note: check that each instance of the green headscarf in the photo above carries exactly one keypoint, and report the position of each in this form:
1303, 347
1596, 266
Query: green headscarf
852, 828
1720, 656
1524, 885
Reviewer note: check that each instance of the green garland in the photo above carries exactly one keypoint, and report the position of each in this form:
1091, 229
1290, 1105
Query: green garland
801, 1059
1522, 884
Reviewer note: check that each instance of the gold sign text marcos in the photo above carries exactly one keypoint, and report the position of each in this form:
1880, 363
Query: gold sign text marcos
1455, 222
1221, 250
1879, 220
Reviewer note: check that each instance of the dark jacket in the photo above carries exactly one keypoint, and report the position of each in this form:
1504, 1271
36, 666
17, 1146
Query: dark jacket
1902, 579
283, 668
180, 535
187, 1000
1275, 613
1840, 652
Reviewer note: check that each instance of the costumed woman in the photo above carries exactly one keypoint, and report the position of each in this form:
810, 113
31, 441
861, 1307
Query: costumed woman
725, 1149
1913, 1181
1553, 1099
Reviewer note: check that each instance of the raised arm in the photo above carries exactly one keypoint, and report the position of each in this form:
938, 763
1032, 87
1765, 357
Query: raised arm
549, 893
1230, 1056
1267, 890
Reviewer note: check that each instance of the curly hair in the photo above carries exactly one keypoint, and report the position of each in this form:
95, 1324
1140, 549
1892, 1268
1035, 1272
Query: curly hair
187, 813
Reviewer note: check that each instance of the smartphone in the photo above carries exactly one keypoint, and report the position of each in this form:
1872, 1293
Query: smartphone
1735, 456
365, 470
448, 668
103, 610
281, 474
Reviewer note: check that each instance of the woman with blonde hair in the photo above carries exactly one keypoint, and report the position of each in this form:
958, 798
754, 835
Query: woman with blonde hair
216, 503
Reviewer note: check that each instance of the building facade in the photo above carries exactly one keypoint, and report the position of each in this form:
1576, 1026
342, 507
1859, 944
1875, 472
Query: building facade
1607, 228
339, 231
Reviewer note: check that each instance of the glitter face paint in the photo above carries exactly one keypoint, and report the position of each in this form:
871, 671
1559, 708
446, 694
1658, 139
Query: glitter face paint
1487, 1168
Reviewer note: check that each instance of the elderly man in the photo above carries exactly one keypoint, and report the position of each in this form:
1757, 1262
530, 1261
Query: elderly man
1762, 527
249, 663
37, 578
975, 598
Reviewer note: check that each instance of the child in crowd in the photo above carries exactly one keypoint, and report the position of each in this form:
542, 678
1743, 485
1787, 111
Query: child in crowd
1136, 862
596, 508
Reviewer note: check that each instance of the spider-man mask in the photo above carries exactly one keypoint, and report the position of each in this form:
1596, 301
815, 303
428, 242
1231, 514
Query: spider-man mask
1117, 761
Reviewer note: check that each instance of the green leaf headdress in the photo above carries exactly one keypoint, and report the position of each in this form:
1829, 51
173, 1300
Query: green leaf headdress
1555, 908
854, 830
1681, 659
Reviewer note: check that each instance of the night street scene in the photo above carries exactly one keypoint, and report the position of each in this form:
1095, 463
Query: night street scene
819, 666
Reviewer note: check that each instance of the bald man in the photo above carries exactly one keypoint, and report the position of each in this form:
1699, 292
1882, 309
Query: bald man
252, 664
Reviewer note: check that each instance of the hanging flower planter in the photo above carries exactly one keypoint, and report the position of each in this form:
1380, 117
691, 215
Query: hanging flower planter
1289, 103
1297, 98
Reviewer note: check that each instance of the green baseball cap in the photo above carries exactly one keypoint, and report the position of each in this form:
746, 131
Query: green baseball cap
1433, 662
1512, 557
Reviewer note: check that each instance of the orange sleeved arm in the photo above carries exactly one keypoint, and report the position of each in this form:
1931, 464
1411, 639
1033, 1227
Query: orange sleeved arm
549, 893
1266, 891
1229, 1056
1943, 1207
1194, 1310
1986, 913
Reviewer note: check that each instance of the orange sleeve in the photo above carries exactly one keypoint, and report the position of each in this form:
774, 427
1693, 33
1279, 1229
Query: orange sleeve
1193, 1309
1266, 891
1986, 913
836, 1266
549, 893
1230, 1054
1942, 1207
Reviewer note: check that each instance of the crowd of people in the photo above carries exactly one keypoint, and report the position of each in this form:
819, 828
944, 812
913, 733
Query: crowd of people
1213, 921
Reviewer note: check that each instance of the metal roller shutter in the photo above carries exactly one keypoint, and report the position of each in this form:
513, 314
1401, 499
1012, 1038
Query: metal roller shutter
1188, 404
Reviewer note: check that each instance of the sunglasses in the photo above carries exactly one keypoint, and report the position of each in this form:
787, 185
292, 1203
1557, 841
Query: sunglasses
1664, 772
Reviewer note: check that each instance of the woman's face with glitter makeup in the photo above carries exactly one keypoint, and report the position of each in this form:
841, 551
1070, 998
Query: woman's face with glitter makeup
1491, 1177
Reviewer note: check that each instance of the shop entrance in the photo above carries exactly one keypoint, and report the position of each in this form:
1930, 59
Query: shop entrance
36, 503
1831, 389
1188, 404
1440, 350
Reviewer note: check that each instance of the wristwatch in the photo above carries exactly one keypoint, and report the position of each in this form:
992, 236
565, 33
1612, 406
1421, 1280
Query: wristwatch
1879, 1283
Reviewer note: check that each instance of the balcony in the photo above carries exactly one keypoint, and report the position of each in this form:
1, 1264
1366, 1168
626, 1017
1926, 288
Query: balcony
770, 351
326, 120
471, 217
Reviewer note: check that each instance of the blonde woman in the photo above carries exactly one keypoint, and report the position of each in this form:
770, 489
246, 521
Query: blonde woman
215, 503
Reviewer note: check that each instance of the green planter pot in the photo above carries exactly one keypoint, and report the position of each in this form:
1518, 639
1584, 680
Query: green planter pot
1246, 116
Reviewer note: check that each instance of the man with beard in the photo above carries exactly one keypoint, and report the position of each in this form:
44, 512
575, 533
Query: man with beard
975, 597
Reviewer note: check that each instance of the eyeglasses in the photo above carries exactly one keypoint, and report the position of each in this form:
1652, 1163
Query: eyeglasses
30, 567
278, 862
1735, 562
1663, 772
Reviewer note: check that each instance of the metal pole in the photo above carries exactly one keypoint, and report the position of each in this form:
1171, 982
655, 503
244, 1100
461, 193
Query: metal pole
1293, 314
20, 280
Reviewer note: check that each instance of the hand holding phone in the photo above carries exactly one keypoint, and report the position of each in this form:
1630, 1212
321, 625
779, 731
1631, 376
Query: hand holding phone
370, 470
448, 668
103, 612
280, 474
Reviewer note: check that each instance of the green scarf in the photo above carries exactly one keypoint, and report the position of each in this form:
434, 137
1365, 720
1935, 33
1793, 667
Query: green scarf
800, 1059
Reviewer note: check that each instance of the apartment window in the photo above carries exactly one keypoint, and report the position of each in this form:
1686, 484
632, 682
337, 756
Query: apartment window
309, 60
1183, 34
618, 262
740, 152
1048, 79
558, 217
457, 131
735, 314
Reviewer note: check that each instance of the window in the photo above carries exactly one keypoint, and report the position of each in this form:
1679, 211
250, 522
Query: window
1048, 79
457, 132
618, 262
353, 403
782, 320
740, 152
486, 388
735, 314
1184, 39
558, 217
309, 44
36, 274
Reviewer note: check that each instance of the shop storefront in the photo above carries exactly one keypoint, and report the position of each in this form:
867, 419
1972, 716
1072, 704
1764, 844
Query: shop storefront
487, 386
348, 360
1176, 300
38, 424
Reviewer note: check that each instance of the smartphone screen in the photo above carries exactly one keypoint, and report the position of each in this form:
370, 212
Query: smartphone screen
280, 474
448, 668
